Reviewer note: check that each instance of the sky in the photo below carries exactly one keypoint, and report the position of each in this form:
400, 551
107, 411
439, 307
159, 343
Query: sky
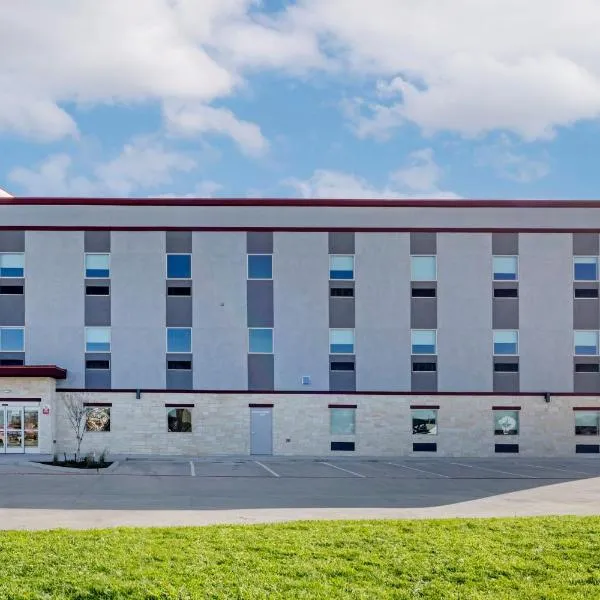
305, 98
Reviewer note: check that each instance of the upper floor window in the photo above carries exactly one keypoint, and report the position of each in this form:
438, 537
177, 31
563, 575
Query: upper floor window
260, 266
585, 268
179, 340
179, 266
586, 343
423, 268
506, 268
506, 341
97, 339
341, 266
12, 265
12, 339
341, 341
260, 340
423, 341
97, 265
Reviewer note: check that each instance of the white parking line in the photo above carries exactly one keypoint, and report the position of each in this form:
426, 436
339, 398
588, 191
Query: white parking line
494, 470
342, 469
557, 469
420, 470
192, 469
267, 469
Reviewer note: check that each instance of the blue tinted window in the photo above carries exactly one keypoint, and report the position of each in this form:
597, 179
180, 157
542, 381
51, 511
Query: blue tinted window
260, 266
341, 267
260, 341
11, 340
97, 265
586, 269
179, 339
11, 265
423, 342
179, 266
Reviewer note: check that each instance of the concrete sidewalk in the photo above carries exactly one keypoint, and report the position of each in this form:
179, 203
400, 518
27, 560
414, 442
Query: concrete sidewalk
568, 498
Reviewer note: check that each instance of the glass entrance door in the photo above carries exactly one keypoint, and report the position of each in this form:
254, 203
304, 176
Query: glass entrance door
19, 429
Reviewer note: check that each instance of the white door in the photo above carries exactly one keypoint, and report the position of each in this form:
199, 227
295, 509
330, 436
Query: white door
19, 429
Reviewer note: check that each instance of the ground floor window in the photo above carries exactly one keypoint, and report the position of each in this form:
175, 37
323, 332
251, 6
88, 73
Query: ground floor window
506, 422
342, 421
179, 420
587, 422
97, 418
424, 421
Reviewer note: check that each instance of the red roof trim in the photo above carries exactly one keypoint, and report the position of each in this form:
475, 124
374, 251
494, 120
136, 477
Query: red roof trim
34, 371
296, 202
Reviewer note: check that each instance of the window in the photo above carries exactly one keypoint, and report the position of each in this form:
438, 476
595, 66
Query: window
97, 290
336, 292
587, 368
585, 268
424, 367
586, 343
179, 420
12, 265
423, 341
97, 339
12, 339
506, 367
423, 292
260, 266
179, 365
586, 422
260, 341
586, 292
424, 421
97, 418
342, 421
179, 339
342, 365
15, 290
179, 266
423, 268
506, 293
11, 362
506, 342
341, 341
505, 268
103, 365
179, 291
506, 422
341, 267
97, 265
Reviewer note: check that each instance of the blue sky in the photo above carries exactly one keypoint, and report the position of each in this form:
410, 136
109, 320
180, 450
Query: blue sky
343, 98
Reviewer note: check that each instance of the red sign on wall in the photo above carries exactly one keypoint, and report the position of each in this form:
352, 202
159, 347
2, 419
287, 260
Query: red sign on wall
45, 410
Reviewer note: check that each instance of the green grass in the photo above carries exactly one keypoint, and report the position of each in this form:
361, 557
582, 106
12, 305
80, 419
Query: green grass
549, 558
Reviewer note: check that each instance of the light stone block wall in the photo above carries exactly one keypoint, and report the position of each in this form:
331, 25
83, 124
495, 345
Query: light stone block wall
221, 424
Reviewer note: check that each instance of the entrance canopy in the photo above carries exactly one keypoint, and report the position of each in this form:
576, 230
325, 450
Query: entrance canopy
33, 371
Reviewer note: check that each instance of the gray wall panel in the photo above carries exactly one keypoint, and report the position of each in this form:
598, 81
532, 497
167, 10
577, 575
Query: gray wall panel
261, 374
341, 313
505, 313
260, 303
96, 241
586, 313
506, 382
54, 307
423, 313
505, 243
382, 307
546, 312
424, 382
341, 242
138, 309
342, 381
12, 309
586, 244
423, 242
259, 242
465, 312
179, 311
301, 310
178, 242
220, 338
97, 310
12, 241
97, 379
180, 379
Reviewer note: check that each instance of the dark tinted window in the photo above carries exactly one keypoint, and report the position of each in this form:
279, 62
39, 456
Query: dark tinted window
506, 367
342, 292
342, 446
506, 293
179, 291
342, 366
423, 292
97, 290
179, 365
586, 292
97, 364
587, 368
421, 367
11, 362
11, 289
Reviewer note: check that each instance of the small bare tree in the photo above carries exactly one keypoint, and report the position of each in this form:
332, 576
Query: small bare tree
76, 413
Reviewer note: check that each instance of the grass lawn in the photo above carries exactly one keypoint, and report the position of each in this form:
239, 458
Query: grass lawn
549, 558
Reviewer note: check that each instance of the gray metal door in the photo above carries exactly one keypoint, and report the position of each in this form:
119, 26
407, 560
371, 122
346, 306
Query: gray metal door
261, 431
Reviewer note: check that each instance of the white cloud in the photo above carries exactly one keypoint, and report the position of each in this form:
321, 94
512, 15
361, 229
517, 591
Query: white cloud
189, 120
144, 164
465, 66
509, 163
418, 180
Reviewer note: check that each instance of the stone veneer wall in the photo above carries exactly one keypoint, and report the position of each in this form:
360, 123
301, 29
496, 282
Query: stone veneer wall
221, 424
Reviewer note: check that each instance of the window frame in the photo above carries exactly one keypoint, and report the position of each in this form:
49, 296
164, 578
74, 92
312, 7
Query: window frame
19, 327
332, 410
494, 331
22, 254
434, 257
191, 330
272, 330
434, 353
597, 268
186, 408
518, 267
353, 330
87, 328
167, 266
596, 331
422, 433
353, 257
591, 411
248, 266
85, 268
